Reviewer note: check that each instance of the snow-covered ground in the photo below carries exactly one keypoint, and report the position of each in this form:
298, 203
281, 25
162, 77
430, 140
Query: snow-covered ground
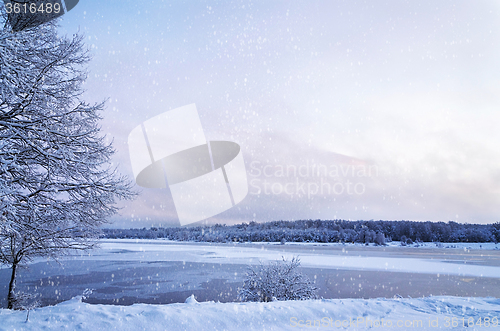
475, 262
433, 313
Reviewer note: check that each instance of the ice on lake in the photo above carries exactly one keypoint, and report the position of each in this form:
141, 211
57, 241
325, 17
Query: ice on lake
156, 271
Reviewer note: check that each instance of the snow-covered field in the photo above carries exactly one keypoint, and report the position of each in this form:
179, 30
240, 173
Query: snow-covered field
434, 313
476, 263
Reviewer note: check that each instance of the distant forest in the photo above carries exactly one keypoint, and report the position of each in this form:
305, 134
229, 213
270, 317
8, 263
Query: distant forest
378, 232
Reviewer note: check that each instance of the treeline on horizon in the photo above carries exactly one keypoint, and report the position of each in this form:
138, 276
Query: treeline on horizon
321, 231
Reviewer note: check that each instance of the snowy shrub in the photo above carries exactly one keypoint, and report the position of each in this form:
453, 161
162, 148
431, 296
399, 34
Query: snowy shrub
24, 301
86, 293
279, 280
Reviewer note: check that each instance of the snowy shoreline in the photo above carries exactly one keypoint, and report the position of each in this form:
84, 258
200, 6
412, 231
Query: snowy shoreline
397, 244
431, 313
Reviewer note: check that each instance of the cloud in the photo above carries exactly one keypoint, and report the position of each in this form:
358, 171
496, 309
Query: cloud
410, 88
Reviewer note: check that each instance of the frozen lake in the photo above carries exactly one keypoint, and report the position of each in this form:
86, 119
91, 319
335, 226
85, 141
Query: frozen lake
155, 271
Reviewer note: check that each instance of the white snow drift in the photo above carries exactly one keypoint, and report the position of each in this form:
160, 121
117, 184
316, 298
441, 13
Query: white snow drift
433, 313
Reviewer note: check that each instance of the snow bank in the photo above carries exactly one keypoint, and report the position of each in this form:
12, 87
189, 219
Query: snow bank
433, 313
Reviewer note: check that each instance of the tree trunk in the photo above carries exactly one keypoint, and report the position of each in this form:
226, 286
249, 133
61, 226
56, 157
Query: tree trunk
12, 285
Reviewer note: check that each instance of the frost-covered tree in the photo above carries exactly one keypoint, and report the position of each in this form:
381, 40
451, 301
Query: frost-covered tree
380, 238
279, 280
57, 184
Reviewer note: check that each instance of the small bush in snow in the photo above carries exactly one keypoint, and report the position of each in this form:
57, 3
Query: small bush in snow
279, 280
24, 301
